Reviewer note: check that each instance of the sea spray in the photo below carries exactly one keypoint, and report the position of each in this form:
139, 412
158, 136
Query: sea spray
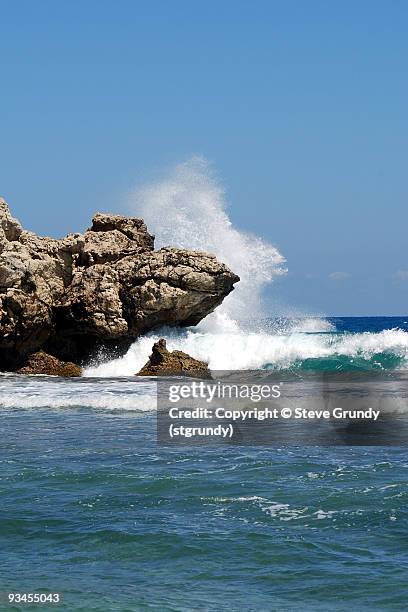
255, 350
187, 209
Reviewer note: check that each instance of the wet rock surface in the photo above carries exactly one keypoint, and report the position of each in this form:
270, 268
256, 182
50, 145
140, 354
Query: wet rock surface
41, 363
163, 362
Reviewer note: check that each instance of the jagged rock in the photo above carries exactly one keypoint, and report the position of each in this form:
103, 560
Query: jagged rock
163, 362
41, 363
100, 289
10, 227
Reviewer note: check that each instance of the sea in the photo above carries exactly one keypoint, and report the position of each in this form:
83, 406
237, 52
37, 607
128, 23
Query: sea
95, 510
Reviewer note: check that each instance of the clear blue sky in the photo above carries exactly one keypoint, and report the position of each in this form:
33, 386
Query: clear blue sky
300, 105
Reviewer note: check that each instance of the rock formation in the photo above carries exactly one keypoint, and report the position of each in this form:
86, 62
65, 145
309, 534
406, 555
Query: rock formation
163, 362
100, 289
41, 363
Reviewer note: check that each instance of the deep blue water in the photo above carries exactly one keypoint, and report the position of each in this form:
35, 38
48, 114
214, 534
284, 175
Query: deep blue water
93, 508
368, 324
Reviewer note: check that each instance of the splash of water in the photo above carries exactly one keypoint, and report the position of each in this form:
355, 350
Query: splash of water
187, 209
253, 350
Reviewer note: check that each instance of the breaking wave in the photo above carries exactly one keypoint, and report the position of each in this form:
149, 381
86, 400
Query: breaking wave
187, 208
237, 350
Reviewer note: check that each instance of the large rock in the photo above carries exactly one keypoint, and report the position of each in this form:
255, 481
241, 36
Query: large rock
163, 362
97, 290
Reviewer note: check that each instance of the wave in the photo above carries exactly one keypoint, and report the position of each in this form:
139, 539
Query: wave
239, 350
187, 208
44, 392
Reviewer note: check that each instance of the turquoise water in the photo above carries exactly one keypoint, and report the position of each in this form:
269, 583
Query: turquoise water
93, 508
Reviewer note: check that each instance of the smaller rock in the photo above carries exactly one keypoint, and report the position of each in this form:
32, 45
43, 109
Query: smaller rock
163, 362
42, 363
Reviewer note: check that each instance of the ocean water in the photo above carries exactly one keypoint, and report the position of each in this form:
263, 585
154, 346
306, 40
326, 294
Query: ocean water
93, 508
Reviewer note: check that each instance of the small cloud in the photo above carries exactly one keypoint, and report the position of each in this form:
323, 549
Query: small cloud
401, 275
339, 276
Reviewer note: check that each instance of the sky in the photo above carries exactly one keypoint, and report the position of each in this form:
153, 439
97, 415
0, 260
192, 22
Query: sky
300, 107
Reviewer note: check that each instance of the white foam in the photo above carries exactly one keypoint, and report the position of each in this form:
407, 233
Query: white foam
46, 392
312, 325
188, 209
239, 350
368, 344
